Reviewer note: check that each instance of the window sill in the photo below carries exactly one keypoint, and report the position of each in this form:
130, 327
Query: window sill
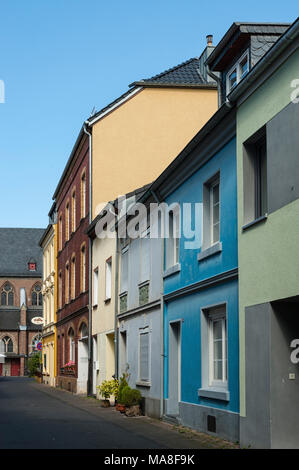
140, 383
263, 218
212, 250
172, 270
214, 393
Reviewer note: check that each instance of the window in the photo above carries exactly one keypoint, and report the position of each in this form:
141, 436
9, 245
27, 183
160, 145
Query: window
214, 208
7, 345
144, 353
83, 269
45, 362
95, 286
108, 280
173, 238
73, 278
145, 256
237, 72
74, 211
32, 266
67, 221
83, 331
67, 283
214, 353
36, 295
260, 179
123, 303
60, 290
71, 345
143, 294
83, 195
211, 212
255, 177
7, 294
124, 269
60, 232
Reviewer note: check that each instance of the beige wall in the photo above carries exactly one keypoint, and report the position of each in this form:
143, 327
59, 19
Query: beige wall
133, 144
103, 313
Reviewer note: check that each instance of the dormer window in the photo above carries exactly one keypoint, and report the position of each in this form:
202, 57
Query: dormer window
237, 72
32, 265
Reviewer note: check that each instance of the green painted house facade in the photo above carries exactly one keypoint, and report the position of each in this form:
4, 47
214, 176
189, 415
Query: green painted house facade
268, 245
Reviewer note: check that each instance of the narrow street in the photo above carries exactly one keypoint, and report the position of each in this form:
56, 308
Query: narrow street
34, 416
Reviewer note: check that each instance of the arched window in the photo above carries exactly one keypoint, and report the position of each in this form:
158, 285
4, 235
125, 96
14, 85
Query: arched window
83, 195
7, 345
60, 290
7, 294
67, 284
83, 331
83, 269
36, 295
73, 277
74, 211
71, 345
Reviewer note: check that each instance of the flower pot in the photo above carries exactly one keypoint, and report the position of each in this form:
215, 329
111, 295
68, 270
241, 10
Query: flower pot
121, 408
105, 403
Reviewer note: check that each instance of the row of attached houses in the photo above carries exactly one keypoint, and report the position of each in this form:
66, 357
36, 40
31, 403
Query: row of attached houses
176, 227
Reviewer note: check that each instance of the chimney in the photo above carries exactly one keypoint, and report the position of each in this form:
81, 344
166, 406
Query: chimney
209, 39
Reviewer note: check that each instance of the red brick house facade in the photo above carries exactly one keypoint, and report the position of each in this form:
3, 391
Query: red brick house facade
72, 201
20, 298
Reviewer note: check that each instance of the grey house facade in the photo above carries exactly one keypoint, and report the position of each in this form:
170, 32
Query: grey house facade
139, 315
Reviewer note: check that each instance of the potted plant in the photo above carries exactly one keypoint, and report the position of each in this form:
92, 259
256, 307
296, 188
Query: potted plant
106, 389
131, 397
120, 406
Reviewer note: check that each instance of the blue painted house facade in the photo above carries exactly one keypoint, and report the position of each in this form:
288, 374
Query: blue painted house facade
201, 344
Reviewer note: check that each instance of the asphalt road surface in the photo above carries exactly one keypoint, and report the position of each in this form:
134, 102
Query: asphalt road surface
35, 416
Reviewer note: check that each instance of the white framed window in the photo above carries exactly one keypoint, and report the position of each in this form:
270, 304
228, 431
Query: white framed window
211, 211
173, 237
217, 327
95, 286
214, 363
145, 256
108, 279
215, 211
237, 72
144, 356
124, 270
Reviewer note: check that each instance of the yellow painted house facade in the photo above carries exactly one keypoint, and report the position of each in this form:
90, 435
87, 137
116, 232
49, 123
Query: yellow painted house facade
49, 289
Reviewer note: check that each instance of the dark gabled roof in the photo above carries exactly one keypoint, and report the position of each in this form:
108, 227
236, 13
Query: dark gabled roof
17, 247
244, 29
185, 74
137, 192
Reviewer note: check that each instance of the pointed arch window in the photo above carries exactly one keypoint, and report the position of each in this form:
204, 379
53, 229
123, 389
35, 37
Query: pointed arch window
7, 345
7, 294
36, 295
83, 194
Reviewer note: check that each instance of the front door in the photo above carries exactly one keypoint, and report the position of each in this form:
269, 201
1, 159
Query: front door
174, 369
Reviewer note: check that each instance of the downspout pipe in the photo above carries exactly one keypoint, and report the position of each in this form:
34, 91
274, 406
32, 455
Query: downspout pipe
116, 283
218, 81
90, 358
155, 196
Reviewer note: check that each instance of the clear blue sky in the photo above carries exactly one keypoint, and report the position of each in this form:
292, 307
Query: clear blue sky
60, 58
